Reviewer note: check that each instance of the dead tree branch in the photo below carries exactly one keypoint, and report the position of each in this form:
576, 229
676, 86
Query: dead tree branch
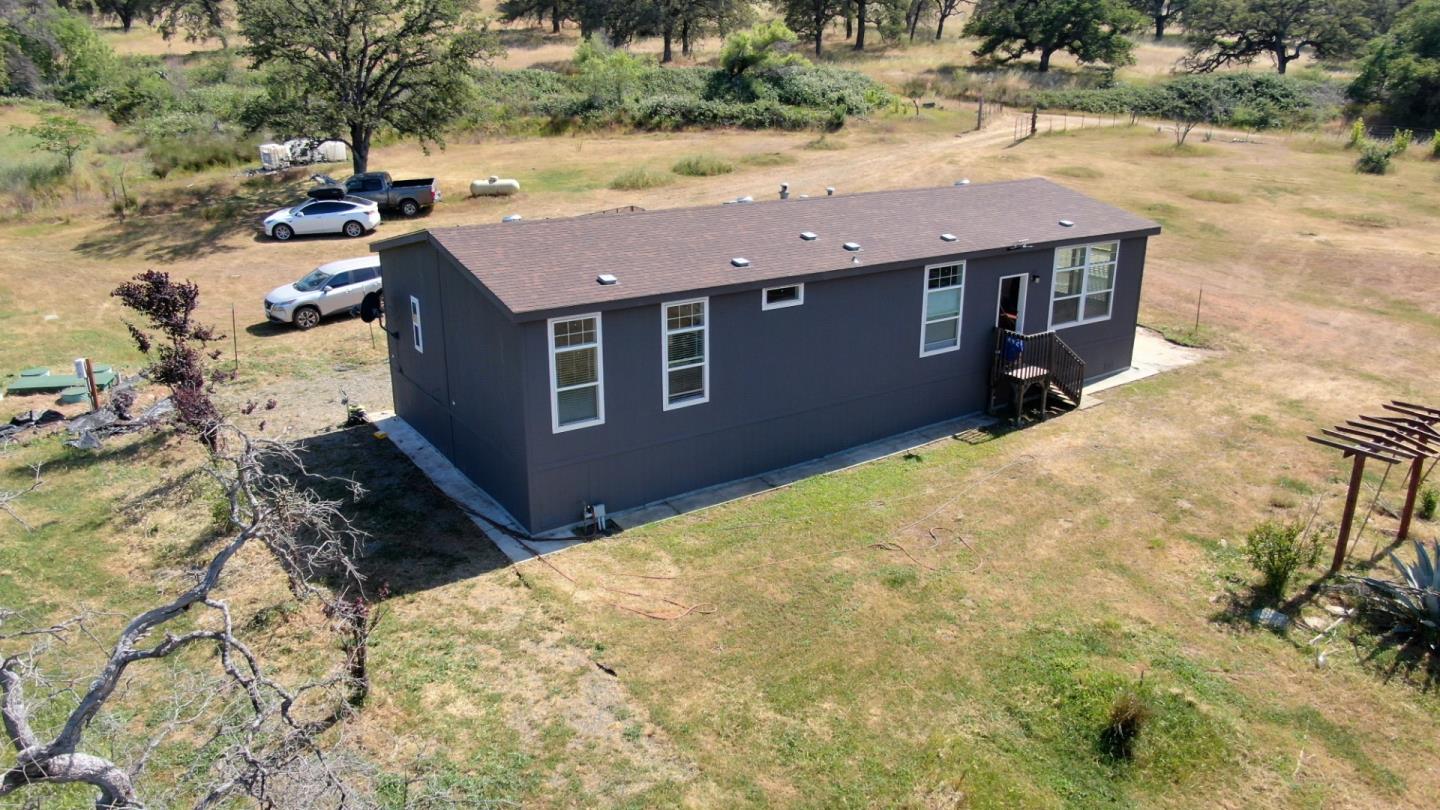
267, 730
8, 498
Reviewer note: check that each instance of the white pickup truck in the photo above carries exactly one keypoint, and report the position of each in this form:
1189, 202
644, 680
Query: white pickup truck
337, 287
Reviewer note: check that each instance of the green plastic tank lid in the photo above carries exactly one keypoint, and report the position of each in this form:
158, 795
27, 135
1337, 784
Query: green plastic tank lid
78, 393
100, 369
35, 372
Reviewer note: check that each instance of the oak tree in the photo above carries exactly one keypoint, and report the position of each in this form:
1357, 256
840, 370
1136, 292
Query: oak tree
1090, 30
1230, 32
345, 69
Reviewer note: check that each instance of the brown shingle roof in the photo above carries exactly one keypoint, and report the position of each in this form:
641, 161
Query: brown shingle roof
541, 265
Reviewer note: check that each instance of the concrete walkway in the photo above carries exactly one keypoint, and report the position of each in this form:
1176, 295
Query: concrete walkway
1153, 355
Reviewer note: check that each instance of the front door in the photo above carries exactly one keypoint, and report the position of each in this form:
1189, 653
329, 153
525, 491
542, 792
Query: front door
1010, 303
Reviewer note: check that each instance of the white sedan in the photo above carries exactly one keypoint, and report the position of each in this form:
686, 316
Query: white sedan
328, 289
351, 216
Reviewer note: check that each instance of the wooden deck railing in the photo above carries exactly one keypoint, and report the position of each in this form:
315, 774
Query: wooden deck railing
1042, 359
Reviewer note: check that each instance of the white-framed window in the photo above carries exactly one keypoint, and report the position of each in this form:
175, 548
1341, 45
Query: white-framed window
577, 372
416, 334
940, 313
791, 295
685, 332
1083, 287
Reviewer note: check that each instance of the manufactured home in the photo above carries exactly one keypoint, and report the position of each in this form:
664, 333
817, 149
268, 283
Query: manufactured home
623, 359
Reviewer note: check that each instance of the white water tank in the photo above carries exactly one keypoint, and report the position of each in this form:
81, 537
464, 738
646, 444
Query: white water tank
274, 156
334, 152
494, 187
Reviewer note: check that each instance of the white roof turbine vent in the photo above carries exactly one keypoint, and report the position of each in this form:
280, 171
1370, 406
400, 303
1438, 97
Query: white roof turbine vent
809, 236
607, 280
947, 237
739, 261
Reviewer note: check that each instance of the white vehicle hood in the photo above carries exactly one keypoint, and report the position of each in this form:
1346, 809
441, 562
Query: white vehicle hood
284, 294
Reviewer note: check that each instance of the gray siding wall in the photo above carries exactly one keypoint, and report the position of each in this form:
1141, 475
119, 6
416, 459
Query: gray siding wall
461, 391
786, 385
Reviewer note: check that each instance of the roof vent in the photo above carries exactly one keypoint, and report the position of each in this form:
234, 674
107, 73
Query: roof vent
809, 236
511, 218
829, 191
607, 279
1065, 223
964, 181
853, 247
740, 262
947, 237
746, 199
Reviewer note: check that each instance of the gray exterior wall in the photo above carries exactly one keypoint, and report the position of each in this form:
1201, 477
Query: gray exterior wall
461, 392
786, 385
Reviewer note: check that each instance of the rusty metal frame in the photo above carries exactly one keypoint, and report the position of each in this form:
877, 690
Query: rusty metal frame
1409, 436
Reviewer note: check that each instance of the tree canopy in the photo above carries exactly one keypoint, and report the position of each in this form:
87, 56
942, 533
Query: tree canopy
810, 18
1226, 32
344, 69
758, 48
1090, 30
1401, 70
60, 135
1164, 13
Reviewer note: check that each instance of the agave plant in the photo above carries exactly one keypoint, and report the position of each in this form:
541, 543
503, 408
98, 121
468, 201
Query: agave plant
1413, 603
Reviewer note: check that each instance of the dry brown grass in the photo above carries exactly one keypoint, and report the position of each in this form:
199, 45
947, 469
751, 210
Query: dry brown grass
854, 675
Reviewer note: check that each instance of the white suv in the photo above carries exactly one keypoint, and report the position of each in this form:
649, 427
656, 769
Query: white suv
328, 289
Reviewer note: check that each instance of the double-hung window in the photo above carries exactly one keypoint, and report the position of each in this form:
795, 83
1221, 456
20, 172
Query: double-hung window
416, 335
577, 390
940, 318
1084, 287
686, 330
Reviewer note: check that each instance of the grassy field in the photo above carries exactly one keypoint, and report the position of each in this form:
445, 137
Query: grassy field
946, 629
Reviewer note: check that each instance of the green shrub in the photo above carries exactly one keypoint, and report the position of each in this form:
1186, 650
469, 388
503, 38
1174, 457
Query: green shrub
1254, 100
702, 166
1357, 134
1403, 139
768, 159
638, 178
1277, 551
677, 112
196, 152
1374, 157
1128, 716
1429, 500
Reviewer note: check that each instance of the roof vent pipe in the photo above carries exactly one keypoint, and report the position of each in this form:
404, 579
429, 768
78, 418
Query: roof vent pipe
829, 191
784, 191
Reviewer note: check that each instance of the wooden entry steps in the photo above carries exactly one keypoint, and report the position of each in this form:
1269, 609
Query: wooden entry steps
1036, 370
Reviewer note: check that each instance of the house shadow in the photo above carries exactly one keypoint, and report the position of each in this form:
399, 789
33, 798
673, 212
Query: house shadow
415, 537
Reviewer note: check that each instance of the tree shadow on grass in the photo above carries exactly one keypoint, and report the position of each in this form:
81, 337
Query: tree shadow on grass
188, 223
1412, 658
416, 538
